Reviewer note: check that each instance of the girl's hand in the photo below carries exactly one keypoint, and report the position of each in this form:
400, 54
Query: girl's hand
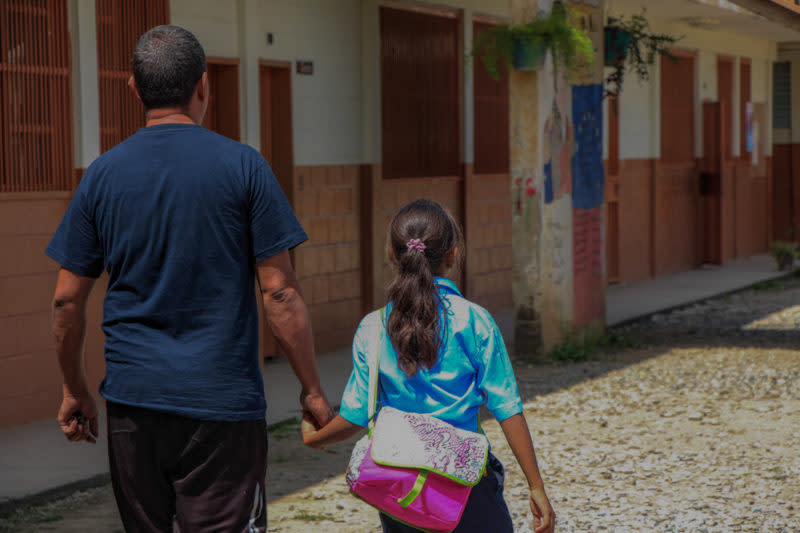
310, 431
335, 431
544, 518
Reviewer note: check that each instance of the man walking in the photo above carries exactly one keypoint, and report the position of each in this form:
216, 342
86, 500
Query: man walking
183, 220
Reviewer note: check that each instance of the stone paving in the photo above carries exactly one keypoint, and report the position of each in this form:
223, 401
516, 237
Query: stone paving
695, 430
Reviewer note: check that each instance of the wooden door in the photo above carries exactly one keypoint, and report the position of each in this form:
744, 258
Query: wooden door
677, 238
612, 193
222, 115
275, 102
276, 123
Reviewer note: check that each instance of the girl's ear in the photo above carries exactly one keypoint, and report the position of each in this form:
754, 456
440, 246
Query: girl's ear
450, 258
390, 254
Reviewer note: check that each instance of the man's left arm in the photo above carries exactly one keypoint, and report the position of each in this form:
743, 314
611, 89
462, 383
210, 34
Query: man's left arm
77, 416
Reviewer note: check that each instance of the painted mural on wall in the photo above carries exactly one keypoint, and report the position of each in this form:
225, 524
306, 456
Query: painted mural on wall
559, 148
587, 204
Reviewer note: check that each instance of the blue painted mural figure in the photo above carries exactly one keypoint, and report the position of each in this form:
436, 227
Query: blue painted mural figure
559, 147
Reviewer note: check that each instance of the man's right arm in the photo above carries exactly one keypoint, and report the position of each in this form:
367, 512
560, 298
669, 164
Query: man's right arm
291, 323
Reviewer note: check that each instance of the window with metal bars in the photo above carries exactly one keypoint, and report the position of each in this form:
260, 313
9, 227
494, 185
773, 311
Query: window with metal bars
35, 96
420, 67
782, 95
491, 116
120, 23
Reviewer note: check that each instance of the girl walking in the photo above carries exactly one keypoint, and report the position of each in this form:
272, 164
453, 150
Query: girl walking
442, 355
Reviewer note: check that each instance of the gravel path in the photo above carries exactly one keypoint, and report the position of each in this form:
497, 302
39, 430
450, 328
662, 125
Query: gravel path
697, 430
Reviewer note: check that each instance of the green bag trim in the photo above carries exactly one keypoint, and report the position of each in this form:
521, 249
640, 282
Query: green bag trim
424, 468
409, 498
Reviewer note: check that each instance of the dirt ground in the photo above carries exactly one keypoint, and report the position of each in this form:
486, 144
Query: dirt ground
695, 429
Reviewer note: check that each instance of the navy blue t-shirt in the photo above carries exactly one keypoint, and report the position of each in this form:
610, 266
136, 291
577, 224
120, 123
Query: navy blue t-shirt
179, 216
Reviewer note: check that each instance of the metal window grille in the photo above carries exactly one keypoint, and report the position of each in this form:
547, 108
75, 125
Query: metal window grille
120, 23
491, 116
420, 66
782, 96
35, 96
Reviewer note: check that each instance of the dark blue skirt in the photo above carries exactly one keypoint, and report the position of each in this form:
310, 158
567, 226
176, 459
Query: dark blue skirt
486, 509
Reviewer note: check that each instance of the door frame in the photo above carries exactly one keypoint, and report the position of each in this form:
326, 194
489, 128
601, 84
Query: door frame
269, 347
287, 65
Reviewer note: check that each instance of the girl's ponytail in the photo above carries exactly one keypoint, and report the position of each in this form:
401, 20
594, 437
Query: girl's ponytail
420, 237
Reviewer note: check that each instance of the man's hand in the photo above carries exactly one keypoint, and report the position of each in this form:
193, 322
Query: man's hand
78, 414
290, 322
317, 406
78, 417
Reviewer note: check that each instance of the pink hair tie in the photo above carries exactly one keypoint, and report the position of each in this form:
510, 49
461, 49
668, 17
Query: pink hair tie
416, 244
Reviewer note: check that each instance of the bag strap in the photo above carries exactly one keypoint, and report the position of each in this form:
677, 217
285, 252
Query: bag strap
373, 362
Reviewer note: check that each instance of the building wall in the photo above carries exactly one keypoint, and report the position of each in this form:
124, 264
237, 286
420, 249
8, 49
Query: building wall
336, 130
661, 212
27, 278
31, 383
329, 265
786, 171
488, 230
326, 104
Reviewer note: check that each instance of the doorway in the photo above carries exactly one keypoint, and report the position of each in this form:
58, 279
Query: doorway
275, 102
677, 195
275, 99
222, 115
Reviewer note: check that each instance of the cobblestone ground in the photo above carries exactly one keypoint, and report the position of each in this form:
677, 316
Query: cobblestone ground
696, 430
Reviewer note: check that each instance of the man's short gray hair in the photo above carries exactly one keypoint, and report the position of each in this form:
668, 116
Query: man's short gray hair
168, 61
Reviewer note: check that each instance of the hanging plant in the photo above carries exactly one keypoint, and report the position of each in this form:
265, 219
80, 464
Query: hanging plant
630, 45
524, 46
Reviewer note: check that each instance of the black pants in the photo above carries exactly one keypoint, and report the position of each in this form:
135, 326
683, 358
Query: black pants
486, 510
175, 474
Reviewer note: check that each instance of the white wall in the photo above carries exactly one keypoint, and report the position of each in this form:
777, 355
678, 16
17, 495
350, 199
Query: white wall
792, 135
336, 111
326, 104
213, 23
639, 103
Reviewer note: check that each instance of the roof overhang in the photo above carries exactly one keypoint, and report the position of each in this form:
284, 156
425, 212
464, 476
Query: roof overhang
761, 19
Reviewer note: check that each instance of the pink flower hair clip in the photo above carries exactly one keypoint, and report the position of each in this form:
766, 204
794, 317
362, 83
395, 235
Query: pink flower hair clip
416, 244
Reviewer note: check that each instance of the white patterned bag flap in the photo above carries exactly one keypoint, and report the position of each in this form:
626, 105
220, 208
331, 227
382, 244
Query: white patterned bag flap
413, 440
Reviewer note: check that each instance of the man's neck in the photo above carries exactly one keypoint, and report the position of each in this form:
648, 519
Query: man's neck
167, 116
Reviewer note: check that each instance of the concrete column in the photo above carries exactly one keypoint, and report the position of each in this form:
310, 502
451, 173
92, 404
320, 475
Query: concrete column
526, 209
557, 202
85, 89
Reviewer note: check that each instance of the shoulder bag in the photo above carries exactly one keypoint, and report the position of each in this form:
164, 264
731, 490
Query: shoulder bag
414, 467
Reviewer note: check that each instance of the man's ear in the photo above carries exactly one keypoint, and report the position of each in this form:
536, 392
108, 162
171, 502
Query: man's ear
202, 87
132, 85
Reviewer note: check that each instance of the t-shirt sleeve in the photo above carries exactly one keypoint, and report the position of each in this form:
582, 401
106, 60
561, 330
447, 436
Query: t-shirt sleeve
76, 243
356, 394
273, 224
495, 374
